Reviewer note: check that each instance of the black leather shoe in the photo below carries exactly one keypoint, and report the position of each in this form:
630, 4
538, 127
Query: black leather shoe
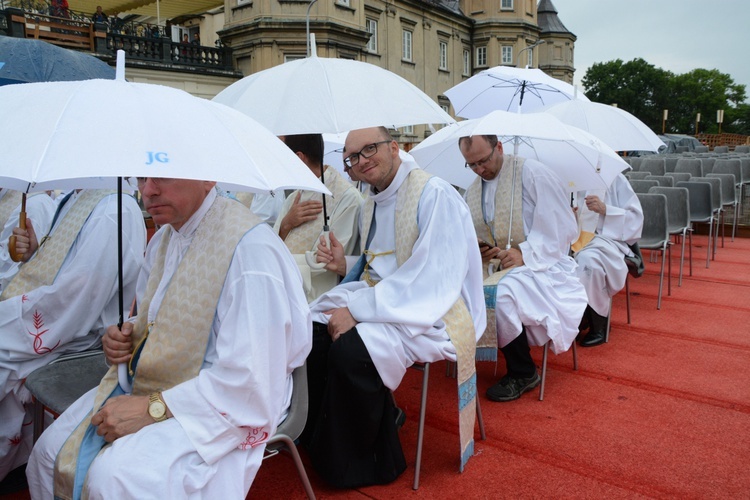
594, 337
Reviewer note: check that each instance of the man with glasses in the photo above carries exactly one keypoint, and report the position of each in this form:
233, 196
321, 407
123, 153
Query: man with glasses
538, 298
222, 323
419, 263
61, 299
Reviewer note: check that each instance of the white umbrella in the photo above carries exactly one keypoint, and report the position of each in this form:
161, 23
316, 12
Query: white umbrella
579, 159
617, 128
509, 89
319, 94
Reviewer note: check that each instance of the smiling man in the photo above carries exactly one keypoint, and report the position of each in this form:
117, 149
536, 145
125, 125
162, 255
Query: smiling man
415, 294
222, 323
540, 298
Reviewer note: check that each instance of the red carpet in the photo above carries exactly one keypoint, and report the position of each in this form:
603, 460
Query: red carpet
661, 411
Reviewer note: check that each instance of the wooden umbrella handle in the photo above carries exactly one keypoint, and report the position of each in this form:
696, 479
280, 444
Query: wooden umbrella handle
21, 224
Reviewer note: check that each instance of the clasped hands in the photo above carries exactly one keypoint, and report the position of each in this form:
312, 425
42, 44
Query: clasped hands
508, 258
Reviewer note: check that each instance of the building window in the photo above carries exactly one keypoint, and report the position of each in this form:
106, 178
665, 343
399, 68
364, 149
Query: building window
530, 58
467, 63
406, 45
408, 130
506, 4
345, 3
507, 54
481, 56
372, 28
444, 55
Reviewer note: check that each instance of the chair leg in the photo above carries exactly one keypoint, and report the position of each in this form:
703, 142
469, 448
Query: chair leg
682, 258
575, 352
544, 372
734, 221
690, 249
300, 466
420, 432
627, 295
661, 279
606, 335
38, 410
710, 240
480, 420
669, 269
722, 217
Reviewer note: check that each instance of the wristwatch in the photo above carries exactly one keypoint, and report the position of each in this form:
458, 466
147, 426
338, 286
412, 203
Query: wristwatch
156, 407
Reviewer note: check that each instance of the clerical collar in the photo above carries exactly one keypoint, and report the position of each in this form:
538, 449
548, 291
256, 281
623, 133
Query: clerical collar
194, 221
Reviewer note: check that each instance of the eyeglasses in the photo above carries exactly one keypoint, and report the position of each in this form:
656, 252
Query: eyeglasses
481, 163
353, 159
139, 182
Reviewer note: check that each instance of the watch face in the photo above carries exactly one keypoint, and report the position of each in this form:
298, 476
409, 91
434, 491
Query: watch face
157, 409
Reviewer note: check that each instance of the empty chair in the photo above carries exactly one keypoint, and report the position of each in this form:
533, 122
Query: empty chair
663, 180
655, 165
716, 205
721, 149
692, 166
701, 203
701, 149
655, 235
635, 162
678, 216
745, 163
670, 162
742, 149
728, 199
642, 185
678, 176
637, 175
681, 149
730, 166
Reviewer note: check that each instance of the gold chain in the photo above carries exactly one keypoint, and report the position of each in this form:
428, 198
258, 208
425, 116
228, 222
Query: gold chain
371, 256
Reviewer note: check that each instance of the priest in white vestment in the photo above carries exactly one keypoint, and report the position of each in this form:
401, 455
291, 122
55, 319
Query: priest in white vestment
301, 223
62, 299
222, 325
540, 299
40, 208
616, 219
369, 330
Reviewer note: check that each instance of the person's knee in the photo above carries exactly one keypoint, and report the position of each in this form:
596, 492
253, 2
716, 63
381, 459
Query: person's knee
348, 353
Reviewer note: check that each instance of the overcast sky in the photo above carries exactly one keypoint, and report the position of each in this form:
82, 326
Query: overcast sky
675, 35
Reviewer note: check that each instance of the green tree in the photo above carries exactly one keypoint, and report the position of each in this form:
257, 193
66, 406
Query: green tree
704, 91
635, 86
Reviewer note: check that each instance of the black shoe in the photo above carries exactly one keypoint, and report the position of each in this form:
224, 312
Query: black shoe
509, 388
594, 337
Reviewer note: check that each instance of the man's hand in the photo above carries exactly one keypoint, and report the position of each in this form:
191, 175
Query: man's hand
488, 251
340, 322
594, 204
299, 213
510, 258
122, 415
118, 344
333, 257
26, 241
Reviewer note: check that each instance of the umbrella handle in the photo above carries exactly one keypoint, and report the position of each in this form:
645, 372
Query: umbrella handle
14, 255
310, 256
122, 377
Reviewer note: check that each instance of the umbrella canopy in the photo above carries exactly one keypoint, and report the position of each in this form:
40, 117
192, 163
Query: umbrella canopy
52, 137
319, 94
25, 61
579, 159
509, 89
615, 127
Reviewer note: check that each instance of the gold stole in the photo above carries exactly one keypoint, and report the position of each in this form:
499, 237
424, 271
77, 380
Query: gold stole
10, 200
245, 198
44, 266
487, 345
178, 337
305, 237
458, 322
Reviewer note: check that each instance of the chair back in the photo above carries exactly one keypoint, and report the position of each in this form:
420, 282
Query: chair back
691, 166
700, 194
729, 166
715, 190
728, 191
656, 166
294, 423
637, 175
655, 234
721, 149
701, 149
678, 207
642, 185
663, 180
678, 176
742, 149
670, 162
681, 149
635, 162
745, 163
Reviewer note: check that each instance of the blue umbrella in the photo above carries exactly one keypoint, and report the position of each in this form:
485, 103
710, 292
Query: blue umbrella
26, 61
